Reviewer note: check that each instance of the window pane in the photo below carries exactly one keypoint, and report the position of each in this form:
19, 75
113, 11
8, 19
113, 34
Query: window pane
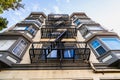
100, 50
112, 43
52, 54
19, 28
88, 35
94, 28
69, 53
95, 43
77, 22
19, 48
6, 44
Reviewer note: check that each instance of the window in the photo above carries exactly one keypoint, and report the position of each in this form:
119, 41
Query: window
83, 31
52, 54
88, 35
77, 22
32, 31
98, 47
26, 28
19, 28
112, 43
85, 21
69, 53
34, 21
95, 43
6, 44
20, 47
94, 28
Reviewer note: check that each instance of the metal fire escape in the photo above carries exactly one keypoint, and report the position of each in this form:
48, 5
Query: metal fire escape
57, 52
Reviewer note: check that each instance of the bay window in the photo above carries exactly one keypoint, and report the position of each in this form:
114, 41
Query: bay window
77, 22
96, 45
112, 43
6, 44
19, 48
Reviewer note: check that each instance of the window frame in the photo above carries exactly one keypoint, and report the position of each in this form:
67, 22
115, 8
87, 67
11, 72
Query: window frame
107, 45
17, 47
99, 28
78, 22
6, 41
98, 54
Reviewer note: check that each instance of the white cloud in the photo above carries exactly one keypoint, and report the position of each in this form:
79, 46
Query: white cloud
56, 8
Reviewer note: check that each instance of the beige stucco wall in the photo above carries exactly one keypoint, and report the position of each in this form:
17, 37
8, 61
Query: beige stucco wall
55, 75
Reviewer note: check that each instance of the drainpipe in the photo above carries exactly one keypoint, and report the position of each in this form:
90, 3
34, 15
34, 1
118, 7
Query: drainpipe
102, 70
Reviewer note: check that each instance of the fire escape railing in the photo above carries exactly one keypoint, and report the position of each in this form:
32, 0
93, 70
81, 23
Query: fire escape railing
39, 54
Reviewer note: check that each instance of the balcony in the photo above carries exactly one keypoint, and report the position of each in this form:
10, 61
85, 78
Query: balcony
51, 32
59, 54
58, 17
58, 23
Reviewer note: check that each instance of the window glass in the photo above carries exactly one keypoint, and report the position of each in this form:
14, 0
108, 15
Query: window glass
77, 22
88, 35
35, 21
32, 31
112, 43
20, 47
100, 50
52, 54
95, 43
69, 53
85, 21
19, 28
98, 47
6, 44
26, 28
94, 28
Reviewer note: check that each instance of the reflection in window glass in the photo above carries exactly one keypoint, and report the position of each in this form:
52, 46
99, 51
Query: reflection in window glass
100, 50
20, 47
69, 53
112, 43
52, 54
19, 28
88, 35
6, 44
94, 28
98, 47
95, 43
77, 22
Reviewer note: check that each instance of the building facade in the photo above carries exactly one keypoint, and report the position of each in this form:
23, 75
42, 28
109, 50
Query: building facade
59, 47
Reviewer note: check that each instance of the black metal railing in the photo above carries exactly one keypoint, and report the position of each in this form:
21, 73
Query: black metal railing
39, 52
58, 17
58, 22
51, 32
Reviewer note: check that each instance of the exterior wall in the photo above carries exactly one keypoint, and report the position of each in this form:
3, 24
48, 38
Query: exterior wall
55, 75
37, 36
26, 57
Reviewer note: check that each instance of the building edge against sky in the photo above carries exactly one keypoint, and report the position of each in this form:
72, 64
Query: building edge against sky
60, 45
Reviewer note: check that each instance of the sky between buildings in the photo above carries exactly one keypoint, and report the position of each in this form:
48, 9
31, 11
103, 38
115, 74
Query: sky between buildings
105, 12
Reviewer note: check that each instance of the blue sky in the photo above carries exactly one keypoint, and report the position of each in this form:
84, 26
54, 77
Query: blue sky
105, 12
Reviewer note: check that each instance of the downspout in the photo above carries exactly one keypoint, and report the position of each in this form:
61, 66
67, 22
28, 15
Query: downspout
102, 70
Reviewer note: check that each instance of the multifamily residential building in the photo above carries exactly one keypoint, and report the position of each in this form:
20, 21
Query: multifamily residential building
59, 47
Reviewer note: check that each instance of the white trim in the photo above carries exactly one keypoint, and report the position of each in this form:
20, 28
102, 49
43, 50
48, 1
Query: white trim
1, 55
11, 59
107, 58
117, 54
